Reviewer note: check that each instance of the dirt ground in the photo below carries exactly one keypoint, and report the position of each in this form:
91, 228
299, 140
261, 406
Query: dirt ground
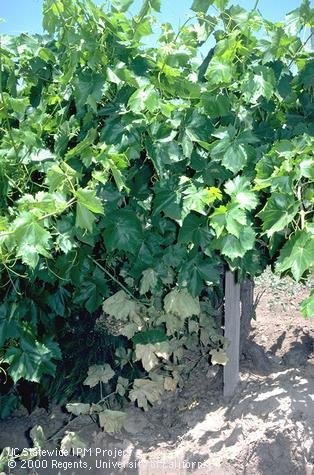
265, 429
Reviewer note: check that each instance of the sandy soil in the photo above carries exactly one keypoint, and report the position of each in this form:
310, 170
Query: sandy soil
265, 429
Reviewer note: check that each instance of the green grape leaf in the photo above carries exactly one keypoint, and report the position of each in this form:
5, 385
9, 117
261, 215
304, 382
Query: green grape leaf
307, 306
123, 232
30, 238
122, 5
241, 192
201, 5
169, 202
145, 98
307, 168
215, 105
297, 255
8, 402
88, 89
89, 200
235, 220
84, 218
189, 227
146, 353
122, 385
220, 72
231, 247
153, 335
9, 326
278, 212
29, 361
259, 83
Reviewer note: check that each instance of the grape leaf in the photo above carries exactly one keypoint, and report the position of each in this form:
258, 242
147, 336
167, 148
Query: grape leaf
98, 374
259, 83
89, 200
146, 353
121, 306
111, 421
307, 306
148, 281
201, 5
30, 238
29, 361
78, 408
146, 392
242, 193
84, 218
218, 357
144, 98
181, 303
297, 254
71, 441
37, 435
278, 212
150, 353
123, 232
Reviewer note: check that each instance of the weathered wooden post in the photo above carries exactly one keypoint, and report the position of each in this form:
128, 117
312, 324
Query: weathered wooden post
232, 333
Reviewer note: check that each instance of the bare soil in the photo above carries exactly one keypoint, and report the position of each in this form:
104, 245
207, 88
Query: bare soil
265, 429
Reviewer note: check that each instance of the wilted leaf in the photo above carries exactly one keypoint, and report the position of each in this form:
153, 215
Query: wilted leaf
146, 392
98, 374
150, 353
71, 441
122, 385
148, 281
111, 421
78, 408
121, 306
218, 357
181, 303
37, 435
170, 384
